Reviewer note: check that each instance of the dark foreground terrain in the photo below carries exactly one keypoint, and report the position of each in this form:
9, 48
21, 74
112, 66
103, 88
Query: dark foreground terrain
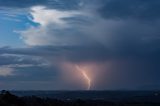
8, 99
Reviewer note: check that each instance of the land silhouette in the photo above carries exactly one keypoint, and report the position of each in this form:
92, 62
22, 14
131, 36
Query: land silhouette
9, 99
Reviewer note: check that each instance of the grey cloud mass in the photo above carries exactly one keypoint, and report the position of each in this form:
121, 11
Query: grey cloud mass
71, 4
128, 9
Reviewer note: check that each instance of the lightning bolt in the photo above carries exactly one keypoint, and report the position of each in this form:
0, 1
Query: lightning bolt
88, 80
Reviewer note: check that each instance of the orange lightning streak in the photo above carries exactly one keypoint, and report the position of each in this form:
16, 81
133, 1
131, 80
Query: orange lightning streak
85, 76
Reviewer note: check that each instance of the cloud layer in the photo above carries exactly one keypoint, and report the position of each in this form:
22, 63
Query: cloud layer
118, 42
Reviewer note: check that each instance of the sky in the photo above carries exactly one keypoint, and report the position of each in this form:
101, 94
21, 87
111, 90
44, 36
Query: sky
79, 44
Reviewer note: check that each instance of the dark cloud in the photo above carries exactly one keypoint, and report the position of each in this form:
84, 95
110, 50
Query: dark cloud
10, 60
129, 9
148, 53
21, 56
130, 68
60, 4
33, 74
21, 3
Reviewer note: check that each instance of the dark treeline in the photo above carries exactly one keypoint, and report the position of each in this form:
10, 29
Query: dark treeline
8, 99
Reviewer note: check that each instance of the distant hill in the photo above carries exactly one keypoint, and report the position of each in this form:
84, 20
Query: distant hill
8, 99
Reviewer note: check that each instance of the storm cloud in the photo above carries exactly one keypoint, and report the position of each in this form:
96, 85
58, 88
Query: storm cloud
121, 38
